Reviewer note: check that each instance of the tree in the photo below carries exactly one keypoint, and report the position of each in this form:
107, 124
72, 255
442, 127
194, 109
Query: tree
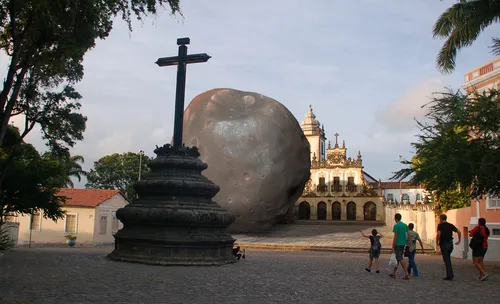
32, 181
46, 41
117, 171
72, 167
461, 25
457, 152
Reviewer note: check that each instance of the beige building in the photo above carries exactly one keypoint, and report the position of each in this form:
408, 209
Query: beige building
483, 77
90, 216
338, 189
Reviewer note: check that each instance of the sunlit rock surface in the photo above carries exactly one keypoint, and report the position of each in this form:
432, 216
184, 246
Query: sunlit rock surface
256, 152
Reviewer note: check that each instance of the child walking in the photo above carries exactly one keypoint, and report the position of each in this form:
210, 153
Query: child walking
375, 248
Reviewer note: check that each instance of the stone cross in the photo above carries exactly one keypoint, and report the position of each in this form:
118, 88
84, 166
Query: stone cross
336, 140
181, 60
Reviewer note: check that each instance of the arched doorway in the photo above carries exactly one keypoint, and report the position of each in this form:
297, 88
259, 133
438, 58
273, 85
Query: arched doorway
321, 211
370, 211
351, 211
336, 211
304, 211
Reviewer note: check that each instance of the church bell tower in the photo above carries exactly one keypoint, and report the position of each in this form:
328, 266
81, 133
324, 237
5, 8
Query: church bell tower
315, 134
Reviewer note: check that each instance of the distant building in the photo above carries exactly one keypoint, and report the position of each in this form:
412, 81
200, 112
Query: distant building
483, 77
403, 193
338, 189
90, 215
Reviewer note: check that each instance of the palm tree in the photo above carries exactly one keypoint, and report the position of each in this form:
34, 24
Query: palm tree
461, 24
74, 169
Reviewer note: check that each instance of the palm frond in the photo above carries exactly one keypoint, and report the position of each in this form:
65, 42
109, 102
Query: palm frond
461, 24
496, 46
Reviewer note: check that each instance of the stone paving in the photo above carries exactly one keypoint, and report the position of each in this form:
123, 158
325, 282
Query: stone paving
85, 275
320, 237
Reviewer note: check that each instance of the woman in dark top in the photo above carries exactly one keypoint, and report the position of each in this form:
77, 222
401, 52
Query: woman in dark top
375, 247
481, 234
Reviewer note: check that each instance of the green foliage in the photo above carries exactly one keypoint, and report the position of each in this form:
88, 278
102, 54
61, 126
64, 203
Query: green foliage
453, 199
31, 182
457, 151
70, 237
117, 171
6, 242
72, 167
461, 24
46, 41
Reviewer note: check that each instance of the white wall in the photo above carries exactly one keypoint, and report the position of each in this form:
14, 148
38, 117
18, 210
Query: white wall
422, 216
412, 193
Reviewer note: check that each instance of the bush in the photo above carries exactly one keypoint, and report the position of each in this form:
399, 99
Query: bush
6, 242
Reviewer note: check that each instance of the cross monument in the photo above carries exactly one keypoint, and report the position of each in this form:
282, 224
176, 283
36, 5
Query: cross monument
181, 60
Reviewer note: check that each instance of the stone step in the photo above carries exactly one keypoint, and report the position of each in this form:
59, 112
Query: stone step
282, 247
339, 223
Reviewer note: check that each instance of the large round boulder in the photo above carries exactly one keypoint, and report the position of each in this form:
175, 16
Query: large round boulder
256, 152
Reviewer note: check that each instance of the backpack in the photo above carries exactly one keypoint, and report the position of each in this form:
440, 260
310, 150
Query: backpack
477, 239
376, 243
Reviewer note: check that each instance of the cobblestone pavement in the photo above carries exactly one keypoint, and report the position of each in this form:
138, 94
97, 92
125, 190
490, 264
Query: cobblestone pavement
85, 275
334, 236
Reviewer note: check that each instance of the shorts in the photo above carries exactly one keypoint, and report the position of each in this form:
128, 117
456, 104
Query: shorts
479, 252
399, 251
374, 254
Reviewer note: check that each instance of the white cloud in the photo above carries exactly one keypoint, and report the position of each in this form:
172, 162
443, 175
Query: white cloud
400, 115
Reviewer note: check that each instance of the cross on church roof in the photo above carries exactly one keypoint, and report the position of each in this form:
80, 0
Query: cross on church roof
336, 140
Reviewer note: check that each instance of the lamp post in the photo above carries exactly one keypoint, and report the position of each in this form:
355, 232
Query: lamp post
400, 157
141, 153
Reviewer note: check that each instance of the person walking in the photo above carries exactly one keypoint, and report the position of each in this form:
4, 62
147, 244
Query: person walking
444, 241
411, 254
398, 245
375, 247
479, 246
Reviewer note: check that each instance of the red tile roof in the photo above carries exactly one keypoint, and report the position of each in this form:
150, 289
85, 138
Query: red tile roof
86, 197
395, 185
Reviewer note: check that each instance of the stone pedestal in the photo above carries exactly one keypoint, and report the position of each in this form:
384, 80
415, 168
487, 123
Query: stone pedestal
174, 221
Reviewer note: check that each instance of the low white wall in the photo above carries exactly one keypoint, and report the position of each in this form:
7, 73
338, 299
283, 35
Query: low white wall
13, 229
422, 216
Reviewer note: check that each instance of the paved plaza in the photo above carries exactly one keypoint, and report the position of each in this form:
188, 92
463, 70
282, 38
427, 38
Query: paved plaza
85, 275
318, 237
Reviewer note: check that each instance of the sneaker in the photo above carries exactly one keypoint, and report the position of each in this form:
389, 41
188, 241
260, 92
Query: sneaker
378, 271
368, 269
484, 277
448, 279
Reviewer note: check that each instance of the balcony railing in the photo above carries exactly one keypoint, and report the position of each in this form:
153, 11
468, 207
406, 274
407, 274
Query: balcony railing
322, 188
351, 188
337, 188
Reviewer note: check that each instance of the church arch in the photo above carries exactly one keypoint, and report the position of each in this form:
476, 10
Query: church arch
321, 208
336, 211
370, 211
351, 211
304, 211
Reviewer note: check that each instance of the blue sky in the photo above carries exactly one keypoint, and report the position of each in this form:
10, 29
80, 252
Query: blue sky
365, 66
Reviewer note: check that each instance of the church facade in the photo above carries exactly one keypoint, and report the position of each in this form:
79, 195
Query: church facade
339, 189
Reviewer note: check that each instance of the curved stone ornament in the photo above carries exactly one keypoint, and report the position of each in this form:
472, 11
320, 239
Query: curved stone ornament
174, 221
256, 151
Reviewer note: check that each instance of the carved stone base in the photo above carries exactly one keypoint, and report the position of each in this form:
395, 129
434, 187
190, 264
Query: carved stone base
174, 221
